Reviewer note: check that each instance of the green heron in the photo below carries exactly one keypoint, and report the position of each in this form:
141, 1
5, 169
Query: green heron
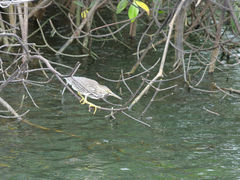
89, 88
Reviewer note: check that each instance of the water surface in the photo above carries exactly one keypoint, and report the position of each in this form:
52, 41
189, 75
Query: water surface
184, 141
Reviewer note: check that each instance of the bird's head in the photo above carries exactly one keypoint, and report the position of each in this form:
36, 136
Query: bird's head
110, 93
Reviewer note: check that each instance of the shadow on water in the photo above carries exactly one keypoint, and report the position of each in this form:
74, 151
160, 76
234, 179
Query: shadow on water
184, 142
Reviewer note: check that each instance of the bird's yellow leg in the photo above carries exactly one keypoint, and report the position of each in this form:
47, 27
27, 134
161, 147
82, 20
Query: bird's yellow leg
82, 101
85, 101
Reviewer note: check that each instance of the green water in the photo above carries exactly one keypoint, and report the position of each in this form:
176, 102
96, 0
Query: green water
184, 141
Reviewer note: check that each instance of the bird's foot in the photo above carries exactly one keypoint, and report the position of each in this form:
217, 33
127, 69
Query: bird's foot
94, 106
83, 101
91, 105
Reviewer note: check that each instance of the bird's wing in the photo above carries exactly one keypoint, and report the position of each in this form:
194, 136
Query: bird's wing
87, 86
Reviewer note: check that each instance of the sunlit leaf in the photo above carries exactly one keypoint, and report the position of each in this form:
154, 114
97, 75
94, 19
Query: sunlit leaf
121, 6
79, 3
84, 14
133, 12
143, 6
160, 12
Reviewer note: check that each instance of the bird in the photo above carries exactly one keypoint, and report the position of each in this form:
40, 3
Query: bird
87, 87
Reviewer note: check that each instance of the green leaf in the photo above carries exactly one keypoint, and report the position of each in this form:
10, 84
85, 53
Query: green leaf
121, 6
143, 6
133, 12
79, 3
160, 12
92, 3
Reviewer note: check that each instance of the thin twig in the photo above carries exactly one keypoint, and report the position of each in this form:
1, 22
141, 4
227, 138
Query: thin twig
124, 82
212, 112
135, 119
29, 94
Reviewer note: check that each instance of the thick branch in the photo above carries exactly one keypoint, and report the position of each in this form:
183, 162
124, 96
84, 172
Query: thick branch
9, 108
160, 72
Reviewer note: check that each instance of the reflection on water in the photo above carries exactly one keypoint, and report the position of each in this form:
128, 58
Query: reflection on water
185, 141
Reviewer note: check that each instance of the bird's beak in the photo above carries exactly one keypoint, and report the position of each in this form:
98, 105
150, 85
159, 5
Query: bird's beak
114, 95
